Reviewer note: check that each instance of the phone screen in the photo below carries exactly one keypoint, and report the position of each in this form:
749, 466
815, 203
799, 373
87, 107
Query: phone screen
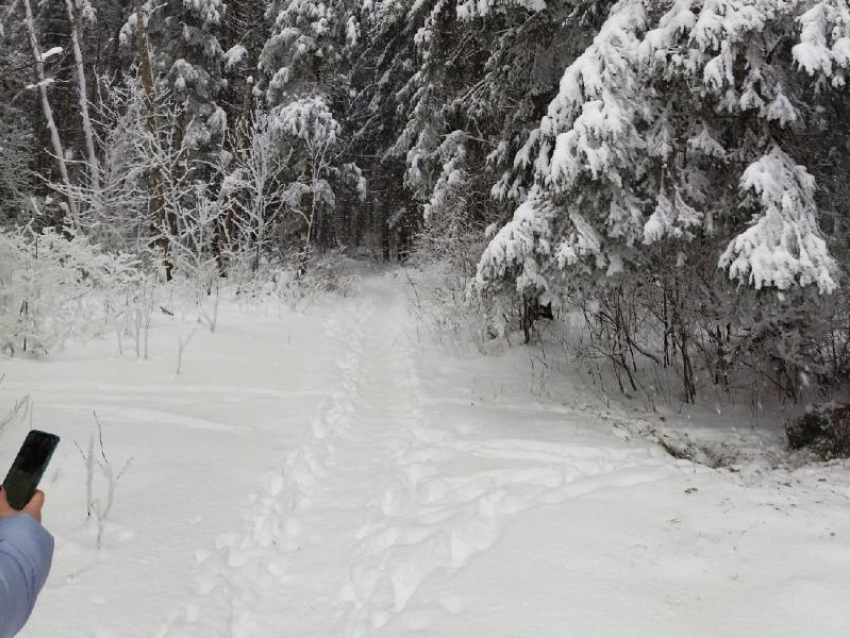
29, 466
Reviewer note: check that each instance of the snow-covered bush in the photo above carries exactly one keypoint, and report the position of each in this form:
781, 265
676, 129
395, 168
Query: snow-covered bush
328, 272
53, 287
437, 292
254, 286
824, 429
294, 282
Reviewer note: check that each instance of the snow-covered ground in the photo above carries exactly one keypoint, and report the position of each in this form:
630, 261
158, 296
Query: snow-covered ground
333, 473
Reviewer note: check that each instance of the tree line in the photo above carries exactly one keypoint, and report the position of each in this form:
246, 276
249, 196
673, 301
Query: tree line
670, 172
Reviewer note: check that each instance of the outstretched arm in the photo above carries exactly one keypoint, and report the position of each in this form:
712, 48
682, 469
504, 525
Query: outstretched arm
26, 551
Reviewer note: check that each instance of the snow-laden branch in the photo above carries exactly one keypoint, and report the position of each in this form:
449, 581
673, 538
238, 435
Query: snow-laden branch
783, 246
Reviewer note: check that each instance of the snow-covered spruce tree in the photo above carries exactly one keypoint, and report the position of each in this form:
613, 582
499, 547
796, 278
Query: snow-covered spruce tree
682, 121
306, 61
244, 32
472, 80
16, 129
183, 73
384, 64
305, 53
186, 61
463, 111
190, 59
483, 72
311, 136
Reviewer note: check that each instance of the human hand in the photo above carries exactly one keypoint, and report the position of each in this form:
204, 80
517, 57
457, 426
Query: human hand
33, 508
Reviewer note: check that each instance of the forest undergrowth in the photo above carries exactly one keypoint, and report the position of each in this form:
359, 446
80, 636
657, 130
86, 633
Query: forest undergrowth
58, 287
742, 410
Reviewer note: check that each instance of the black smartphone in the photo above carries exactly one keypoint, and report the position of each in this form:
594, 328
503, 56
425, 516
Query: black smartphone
29, 466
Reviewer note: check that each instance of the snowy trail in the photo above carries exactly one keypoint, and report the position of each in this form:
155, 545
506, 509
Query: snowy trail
378, 498
248, 570
328, 475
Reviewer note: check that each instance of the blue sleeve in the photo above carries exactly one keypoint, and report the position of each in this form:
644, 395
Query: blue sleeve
26, 550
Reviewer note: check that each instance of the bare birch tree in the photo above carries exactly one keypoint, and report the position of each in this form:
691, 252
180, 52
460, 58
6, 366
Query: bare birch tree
41, 84
156, 182
88, 130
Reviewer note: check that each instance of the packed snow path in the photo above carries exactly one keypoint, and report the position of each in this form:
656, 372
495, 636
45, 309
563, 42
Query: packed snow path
337, 475
378, 497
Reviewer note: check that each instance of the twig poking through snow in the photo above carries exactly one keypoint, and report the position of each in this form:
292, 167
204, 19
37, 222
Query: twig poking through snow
182, 344
93, 505
18, 411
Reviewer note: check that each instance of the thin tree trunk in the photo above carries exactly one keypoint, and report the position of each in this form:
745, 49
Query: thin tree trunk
666, 325
688, 380
55, 140
385, 231
158, 193
243, 138
179, 169
9, 11
88, 131
311, 224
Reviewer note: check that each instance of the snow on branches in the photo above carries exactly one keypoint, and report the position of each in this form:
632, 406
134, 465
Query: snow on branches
592, 119
58, 285
308, 35
308, 119
209, 11
653, 124
520, 249
783, 246
824, 47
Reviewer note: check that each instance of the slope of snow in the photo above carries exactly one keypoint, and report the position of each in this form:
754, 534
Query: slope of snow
334, 474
